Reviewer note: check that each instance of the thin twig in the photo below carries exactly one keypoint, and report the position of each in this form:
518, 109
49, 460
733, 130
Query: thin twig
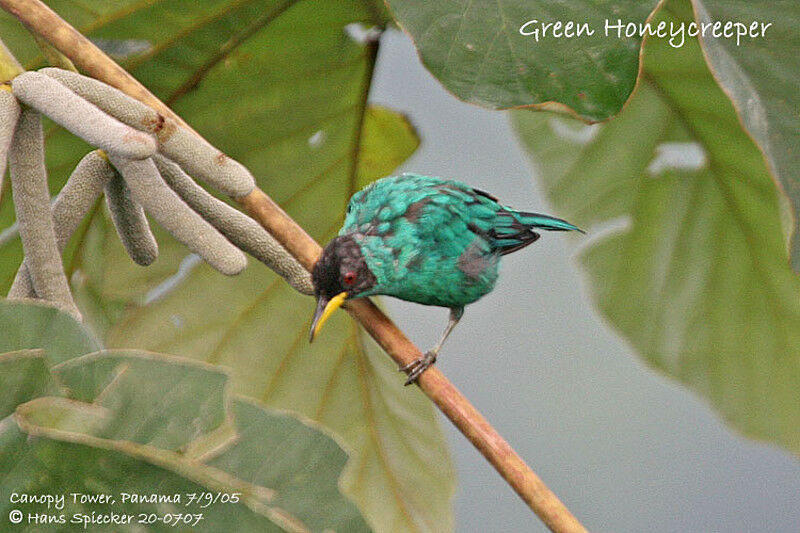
40, 19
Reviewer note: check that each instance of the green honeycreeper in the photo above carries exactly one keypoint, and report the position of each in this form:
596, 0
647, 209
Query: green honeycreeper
422, 239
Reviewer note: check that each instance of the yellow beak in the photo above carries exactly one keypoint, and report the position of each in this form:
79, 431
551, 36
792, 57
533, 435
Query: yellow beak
324, 310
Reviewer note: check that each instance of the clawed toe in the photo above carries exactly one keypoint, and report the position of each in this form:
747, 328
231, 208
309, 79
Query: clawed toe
416, 367
415, 374
410, 365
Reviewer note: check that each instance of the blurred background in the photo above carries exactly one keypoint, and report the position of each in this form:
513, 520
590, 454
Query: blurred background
624, 447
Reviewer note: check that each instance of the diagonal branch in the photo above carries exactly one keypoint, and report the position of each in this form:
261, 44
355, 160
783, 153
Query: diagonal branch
87, 57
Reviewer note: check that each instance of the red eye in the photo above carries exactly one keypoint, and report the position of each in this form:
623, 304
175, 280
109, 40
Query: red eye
349, 278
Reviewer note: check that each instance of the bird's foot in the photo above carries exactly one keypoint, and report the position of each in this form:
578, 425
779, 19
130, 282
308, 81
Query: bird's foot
416, 367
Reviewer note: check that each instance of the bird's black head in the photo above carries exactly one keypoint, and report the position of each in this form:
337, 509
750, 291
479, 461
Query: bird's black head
340, 273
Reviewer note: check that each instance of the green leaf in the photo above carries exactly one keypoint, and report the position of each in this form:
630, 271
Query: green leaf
283, 471
24, 375
45, 461
138, 390
477, 51
696, 279
308, 466
33, 325
761, 76
387, 141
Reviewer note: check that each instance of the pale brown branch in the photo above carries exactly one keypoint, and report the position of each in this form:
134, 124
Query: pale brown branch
87, 57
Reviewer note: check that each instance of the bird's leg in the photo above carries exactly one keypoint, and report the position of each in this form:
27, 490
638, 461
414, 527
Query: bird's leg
418, 366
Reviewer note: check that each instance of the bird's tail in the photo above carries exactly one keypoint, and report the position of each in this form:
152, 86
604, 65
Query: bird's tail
539, 221
514, 230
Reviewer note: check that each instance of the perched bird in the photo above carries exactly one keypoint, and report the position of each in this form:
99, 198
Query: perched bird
423, 239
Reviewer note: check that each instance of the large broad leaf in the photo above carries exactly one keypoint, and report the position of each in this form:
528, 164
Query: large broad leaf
33, 325
277, 474
477, 50
46, 461
287, 98
143, 424
24, 375
696, 278
400, 472
761, 75
147, 389
306, 466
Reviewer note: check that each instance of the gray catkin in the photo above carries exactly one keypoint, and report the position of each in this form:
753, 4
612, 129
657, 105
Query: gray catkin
131, 223
111, 100
34, 215
81, 117
199, 158
73, 202
163, 204
239, 228
9, 114
79, 194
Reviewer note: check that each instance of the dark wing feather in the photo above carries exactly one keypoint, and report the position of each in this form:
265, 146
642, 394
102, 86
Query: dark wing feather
510, 235
485, 195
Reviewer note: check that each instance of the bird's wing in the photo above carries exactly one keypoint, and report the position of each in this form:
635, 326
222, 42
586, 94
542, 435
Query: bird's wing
439, 216
501, 227
458, 219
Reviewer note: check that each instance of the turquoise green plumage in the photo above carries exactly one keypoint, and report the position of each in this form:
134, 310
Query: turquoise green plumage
426, 240
434, 241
